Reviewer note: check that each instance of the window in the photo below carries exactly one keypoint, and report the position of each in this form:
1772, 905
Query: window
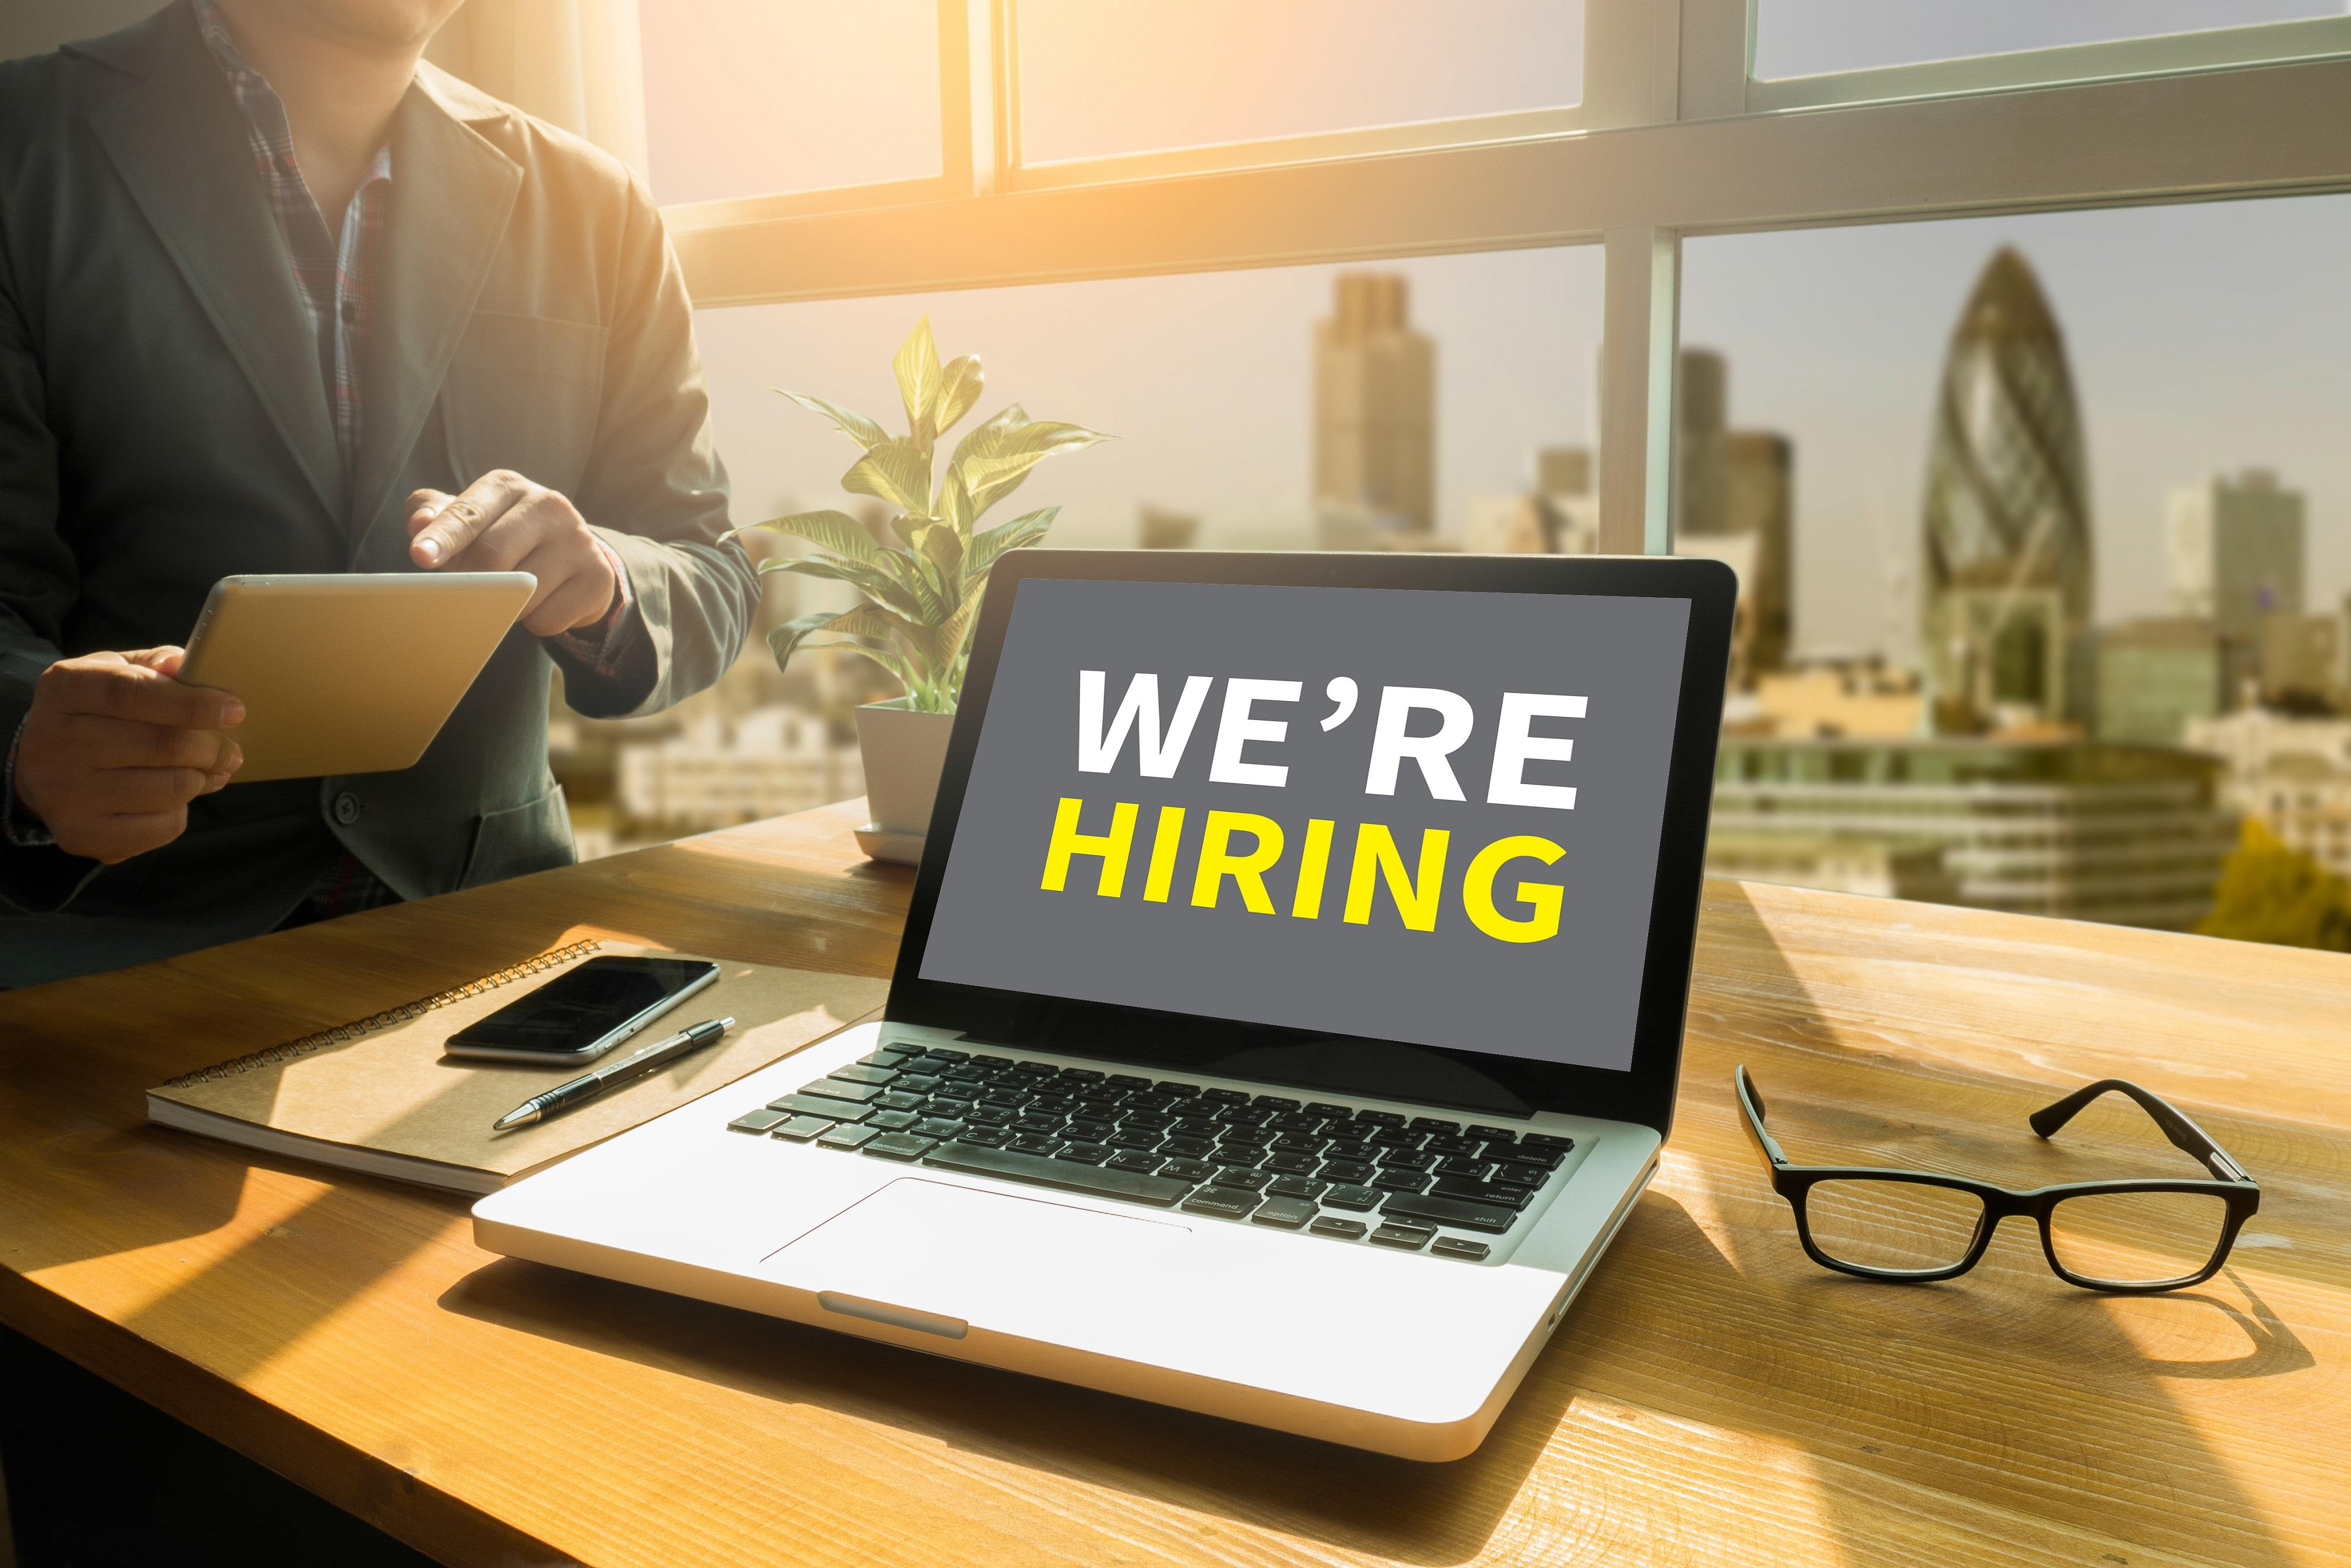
1812, 37
747, 98
1099, 79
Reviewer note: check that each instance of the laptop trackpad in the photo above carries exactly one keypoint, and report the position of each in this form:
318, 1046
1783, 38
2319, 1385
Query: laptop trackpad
937, 1258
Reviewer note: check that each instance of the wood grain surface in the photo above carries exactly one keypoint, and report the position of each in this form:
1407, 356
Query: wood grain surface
1714, 1397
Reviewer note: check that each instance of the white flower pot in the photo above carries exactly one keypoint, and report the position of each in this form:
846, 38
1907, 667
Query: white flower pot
903, 752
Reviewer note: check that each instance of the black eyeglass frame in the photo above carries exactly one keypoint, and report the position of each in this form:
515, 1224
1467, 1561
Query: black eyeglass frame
2239, 1191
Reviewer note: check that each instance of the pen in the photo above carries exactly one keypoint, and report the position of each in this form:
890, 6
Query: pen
589, 1085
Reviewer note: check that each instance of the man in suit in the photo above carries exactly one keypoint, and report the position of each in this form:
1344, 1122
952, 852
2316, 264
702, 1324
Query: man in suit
277, 297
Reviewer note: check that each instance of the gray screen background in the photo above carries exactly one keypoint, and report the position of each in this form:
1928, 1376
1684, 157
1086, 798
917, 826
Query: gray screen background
1571, 998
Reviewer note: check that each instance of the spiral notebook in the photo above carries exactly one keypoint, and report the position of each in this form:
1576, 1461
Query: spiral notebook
377, 1095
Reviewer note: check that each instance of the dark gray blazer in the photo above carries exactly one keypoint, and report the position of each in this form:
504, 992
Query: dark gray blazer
163, 424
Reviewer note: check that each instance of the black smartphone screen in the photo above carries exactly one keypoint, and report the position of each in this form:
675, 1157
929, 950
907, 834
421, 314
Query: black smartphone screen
582, 1006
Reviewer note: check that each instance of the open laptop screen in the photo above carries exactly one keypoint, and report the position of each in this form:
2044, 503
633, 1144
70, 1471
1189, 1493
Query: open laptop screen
1424, 816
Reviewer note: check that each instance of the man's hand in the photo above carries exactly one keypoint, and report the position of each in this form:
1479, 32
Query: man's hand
503, 522
114, 748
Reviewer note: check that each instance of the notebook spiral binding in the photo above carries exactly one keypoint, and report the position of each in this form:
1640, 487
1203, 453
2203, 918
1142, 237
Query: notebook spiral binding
343, 1034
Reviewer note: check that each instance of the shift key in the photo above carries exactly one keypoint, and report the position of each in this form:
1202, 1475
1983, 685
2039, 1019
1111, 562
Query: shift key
1452, 1211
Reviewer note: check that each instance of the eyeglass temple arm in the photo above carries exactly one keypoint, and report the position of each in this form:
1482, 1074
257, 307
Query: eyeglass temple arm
1751, 1104
2185, 1136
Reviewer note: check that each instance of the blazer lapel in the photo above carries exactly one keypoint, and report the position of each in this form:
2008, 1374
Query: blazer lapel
182, 148
452, 192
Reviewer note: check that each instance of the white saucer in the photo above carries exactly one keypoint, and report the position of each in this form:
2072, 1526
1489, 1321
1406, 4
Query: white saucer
905, 848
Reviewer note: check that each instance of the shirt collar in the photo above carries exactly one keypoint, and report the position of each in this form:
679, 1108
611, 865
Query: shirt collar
253, 87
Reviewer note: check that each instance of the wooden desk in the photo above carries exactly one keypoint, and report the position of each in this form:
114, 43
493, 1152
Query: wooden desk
1713, 1398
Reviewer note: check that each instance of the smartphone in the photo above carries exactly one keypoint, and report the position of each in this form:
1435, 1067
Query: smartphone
584, 1012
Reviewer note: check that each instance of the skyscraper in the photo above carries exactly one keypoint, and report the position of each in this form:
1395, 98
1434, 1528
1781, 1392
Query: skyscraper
2236, 551
1376, 406
2008, 566
1733, 501
1701, 415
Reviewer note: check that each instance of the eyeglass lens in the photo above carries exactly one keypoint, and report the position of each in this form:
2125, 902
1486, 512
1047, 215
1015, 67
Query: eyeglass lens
2137, 1237
1899, 1226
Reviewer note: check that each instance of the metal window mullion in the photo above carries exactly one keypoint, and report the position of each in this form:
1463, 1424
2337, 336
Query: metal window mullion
1639, 353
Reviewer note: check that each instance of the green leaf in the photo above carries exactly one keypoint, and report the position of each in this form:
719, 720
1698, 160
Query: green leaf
856, 426
888, 658
953, 636
952, 506
885, 582
792, 632
836, 531
920, 381
958, 390
909, 527
993, 468
897, 471
867, 620
1020, 531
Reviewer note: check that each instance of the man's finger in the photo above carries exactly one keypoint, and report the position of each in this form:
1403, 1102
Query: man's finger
117, 743
135, 692
111, 840
443, 534
164, 660
115, 792
519, 533
573, 602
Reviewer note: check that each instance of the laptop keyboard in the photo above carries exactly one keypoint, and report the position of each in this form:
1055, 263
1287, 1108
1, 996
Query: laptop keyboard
1378, 1177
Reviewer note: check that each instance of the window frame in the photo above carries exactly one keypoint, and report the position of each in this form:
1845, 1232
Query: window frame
1674, 136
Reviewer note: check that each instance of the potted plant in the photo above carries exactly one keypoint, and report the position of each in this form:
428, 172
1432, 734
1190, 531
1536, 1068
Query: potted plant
922, 594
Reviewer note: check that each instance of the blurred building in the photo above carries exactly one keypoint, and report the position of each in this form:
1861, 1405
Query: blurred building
1375, 407
2132, 835
2301, 660
1158, 528
1701, 423
2236, 551
2291, 774
1832, 699
2155, 675
1563, 471
1879, 868
1734, 502
761, 764
2008, 570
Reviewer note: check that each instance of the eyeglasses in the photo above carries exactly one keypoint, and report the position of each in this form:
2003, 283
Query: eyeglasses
1911, 1226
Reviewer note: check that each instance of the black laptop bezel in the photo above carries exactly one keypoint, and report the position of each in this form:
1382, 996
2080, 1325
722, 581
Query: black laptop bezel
1475, 1081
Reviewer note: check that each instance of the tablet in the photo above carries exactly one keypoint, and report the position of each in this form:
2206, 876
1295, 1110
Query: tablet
349, 674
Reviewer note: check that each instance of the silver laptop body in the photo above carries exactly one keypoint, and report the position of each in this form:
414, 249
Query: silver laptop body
1302, 1069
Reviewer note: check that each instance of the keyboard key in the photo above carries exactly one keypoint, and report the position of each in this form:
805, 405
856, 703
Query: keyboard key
940, 1128
1489, 1218
987, 1116
1159, 1192
900, 1100
1128, 1080
1459, 1246
1011, 1099
892, 1121
1406, 1237
981, 1059
1405, 1160
834, 1089
920, 1083
985, 1138
1134, 1160
888, 1055
1341, 1229
1136, 1138
814, 1105
1474, 1170
1192, 1127
1086, 1153
1451, 1147
1354, 1197
1224, 1202
900, 1147
940, 1105
1086, 1131
800, 1129
1520, 1176
943, 1055
1177, 1091
1497, 1134
1274, 1102
1352, 1171
1291, 1165
1303, 1142
1396, 1138
1529, 1154
1080, 1075
847, 1137
1223, 1097
1350, 1149
861, 1073
1034, 1144
1378, 1119
1436, 1125
1549, 1141
1289, 1213
1239, 1177
1328, 1112
1188, 1148
1498, 1193
1189, 1170
1401, 1181
1294, 1187
760, 1121
1033, 1123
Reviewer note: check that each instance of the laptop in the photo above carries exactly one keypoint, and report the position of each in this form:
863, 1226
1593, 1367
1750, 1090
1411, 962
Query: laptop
1290, 1008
